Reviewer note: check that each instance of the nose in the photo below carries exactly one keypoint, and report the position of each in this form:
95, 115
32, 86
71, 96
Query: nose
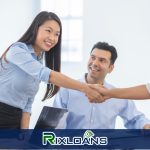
52, 37
95, 62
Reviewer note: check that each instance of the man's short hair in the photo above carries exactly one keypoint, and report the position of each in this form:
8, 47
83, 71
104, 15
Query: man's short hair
106, 47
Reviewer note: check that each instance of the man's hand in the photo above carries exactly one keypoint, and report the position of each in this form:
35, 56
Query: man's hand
93, 95
101, 89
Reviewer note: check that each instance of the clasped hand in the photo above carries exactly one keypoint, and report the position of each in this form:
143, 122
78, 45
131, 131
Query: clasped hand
96, 93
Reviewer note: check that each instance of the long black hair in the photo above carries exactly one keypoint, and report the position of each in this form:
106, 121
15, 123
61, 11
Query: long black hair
52, 57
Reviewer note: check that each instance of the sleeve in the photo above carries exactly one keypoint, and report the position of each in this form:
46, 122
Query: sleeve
148, 87
133, 119
19, 55
28, 106
61, 98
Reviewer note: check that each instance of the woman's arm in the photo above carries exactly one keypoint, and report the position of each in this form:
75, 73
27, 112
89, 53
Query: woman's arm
66, 82
25, 120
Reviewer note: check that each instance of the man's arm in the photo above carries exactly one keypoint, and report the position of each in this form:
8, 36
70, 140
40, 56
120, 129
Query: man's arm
133, 119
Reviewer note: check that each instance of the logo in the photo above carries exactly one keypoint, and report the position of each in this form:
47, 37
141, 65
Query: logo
88, 138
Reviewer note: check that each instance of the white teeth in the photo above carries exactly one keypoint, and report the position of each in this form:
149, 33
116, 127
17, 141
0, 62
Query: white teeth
93, 69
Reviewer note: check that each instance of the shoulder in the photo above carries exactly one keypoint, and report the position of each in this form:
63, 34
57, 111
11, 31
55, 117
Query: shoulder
19, 45
108, 85
63, 90
17, 48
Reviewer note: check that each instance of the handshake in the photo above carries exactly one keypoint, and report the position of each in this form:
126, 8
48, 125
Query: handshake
97, 93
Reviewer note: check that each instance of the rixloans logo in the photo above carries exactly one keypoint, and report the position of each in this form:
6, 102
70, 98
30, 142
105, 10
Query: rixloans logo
87, 139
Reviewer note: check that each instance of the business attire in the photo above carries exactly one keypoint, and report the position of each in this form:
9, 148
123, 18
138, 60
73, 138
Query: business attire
86, 115
20, 76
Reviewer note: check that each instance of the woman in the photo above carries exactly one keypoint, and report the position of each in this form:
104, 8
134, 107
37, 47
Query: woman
137, 92
21, 71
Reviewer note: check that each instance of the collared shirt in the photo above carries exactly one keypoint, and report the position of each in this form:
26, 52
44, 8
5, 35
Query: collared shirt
20, 76
86, 115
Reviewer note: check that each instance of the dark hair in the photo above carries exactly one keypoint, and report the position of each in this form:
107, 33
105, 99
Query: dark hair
106, 47
52, 57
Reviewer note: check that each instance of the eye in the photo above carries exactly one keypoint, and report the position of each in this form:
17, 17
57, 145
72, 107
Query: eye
92, 57
49, 31
103, 60
57, 34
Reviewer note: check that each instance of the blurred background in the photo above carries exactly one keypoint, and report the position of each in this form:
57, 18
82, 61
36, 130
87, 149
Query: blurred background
124, 24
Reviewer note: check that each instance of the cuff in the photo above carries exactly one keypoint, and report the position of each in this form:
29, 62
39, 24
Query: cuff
148, 87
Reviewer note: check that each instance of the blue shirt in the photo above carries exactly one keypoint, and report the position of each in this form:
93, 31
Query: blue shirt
86, 115
20, 76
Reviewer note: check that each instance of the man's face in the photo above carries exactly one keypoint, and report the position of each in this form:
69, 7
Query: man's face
99, 64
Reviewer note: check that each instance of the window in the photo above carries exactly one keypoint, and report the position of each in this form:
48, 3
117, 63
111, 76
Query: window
71, 14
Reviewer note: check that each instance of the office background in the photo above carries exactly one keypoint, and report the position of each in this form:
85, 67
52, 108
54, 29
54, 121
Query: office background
124, 24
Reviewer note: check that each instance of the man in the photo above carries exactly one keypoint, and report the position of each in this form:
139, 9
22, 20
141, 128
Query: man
83, 114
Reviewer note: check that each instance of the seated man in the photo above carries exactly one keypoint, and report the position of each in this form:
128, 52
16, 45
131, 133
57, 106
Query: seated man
86, 115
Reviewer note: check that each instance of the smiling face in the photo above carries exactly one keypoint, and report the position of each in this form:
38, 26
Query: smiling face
99, 65
47, 36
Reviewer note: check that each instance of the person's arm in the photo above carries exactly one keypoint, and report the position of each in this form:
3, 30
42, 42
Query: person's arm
66, 82
19, 55
25, 120
146, 126
133, 118
26, 113
137, 92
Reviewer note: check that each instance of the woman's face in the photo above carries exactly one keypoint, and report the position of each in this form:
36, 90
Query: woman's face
47, 36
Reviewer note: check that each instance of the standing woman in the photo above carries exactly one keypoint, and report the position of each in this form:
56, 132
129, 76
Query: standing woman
21, 71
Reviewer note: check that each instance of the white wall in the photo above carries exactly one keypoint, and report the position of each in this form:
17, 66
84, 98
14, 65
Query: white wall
124, 24
16, 16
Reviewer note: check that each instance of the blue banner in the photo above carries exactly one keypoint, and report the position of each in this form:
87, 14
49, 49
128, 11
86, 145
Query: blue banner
75, 139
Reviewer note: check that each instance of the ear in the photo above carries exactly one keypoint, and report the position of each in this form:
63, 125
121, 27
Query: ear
111, 67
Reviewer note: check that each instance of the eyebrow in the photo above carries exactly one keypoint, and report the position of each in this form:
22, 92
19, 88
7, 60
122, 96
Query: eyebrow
99, 57
52, 29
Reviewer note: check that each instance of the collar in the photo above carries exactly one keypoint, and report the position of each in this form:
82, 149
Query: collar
85, 79
31, 49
